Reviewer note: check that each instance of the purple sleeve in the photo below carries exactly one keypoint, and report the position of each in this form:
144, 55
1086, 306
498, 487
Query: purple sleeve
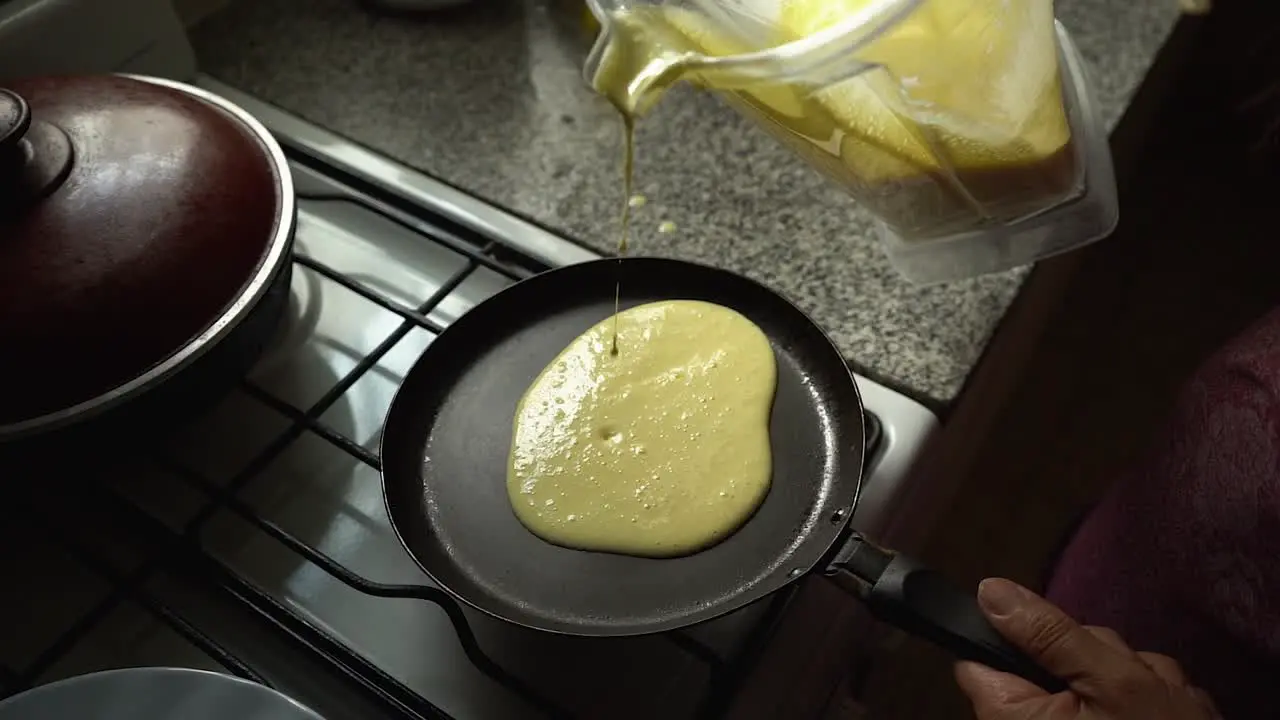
1183, 555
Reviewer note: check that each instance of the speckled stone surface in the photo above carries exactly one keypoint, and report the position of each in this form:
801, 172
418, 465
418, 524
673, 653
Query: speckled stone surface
492, 100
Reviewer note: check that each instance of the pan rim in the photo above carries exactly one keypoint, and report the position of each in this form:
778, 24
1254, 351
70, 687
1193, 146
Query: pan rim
722, 608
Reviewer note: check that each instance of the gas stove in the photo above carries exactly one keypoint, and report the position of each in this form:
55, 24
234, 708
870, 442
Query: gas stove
256, 541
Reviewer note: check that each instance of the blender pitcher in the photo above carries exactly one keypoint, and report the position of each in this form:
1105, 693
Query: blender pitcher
967, 127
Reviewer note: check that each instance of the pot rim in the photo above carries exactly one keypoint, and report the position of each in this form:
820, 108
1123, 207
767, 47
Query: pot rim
277, 251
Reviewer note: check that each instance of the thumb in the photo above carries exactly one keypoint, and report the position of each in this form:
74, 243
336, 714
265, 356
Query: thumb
1049, 637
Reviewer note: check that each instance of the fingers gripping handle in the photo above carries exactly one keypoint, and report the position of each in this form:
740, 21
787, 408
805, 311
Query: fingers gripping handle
911, 597
923, 602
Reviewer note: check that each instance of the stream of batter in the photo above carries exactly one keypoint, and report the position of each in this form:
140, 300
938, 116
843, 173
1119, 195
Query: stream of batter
658, 451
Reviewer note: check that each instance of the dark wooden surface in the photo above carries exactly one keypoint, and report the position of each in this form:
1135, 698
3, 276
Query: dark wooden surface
1086, 365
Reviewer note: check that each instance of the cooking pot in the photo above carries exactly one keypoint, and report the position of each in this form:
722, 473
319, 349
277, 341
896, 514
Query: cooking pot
145, 236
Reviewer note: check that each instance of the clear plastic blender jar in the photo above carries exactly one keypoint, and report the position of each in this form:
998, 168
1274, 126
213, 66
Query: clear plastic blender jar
967, 127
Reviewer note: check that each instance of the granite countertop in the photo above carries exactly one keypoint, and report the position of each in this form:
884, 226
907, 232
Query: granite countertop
491, 99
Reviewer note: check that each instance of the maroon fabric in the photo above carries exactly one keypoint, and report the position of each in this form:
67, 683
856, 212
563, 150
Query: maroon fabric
1183, 556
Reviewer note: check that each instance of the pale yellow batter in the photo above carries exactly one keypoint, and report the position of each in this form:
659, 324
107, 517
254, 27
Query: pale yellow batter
660, 450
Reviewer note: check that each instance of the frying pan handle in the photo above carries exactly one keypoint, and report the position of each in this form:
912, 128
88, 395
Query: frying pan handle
911, 597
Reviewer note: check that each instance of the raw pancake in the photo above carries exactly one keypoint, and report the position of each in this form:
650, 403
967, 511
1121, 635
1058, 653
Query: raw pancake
659, 450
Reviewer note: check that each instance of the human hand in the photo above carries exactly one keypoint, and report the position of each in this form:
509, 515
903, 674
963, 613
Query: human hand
1107, 679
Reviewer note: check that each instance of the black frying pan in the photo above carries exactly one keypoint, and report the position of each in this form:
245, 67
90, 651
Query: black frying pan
448, 434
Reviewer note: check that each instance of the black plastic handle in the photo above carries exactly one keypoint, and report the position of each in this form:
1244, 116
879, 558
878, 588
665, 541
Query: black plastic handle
914, 598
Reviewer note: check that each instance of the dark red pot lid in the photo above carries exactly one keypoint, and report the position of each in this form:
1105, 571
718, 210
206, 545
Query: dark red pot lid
131, 216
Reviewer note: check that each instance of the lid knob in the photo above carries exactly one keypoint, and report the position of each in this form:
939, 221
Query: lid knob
15, 118
35, 156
